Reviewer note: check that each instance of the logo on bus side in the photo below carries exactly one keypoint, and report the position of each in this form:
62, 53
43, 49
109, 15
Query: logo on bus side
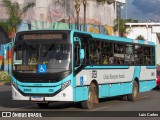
94, 74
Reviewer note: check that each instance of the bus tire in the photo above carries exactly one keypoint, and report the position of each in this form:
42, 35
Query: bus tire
92, 97
134, 94
43, 105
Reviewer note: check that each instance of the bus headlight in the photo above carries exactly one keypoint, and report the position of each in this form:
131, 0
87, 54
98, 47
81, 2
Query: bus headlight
15, 84
65, 84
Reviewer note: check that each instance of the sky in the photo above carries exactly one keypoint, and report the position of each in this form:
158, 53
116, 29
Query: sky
142, 10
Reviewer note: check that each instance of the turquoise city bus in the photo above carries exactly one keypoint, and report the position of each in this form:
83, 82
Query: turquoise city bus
75, 66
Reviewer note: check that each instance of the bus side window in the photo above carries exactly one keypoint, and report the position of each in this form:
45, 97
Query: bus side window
95, 54
129, 55
119, 53
106, 51
147, 56
139, 55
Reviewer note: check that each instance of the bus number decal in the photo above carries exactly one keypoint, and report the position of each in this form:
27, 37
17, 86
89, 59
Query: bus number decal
94, 74
81, 80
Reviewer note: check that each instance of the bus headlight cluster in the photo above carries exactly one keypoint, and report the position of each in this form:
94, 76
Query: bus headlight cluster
65, 84
15, 84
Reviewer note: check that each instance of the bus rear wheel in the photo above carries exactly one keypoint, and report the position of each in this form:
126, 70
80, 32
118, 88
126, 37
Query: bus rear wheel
43, 105
92, 97
134, 94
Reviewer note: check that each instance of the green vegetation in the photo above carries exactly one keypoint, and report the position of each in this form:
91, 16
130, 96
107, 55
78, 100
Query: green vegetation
4, 77
101, 1
119, 26
15, 12
140, 37
77, 8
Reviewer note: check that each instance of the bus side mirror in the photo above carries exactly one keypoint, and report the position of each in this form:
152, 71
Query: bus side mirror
5, 54
77, 39
81, 54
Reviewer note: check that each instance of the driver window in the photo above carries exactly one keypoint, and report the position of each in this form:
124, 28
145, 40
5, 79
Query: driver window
76, 54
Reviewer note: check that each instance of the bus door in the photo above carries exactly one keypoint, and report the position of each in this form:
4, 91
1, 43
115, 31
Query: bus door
78, 53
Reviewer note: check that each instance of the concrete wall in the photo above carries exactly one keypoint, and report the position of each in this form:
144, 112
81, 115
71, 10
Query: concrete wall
52, 11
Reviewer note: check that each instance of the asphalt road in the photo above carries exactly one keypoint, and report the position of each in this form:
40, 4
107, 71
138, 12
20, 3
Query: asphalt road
146, 102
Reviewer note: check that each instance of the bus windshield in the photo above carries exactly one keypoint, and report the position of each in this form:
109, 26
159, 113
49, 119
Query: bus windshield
28, 55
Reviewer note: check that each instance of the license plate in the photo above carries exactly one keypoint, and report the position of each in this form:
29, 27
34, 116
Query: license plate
35, 98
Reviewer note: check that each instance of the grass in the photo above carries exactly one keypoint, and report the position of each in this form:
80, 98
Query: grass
5, 81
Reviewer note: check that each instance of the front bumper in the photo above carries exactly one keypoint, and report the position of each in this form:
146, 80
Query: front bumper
64, 95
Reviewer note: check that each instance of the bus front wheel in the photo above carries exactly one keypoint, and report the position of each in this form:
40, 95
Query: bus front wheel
92, 97
43, 105
134, 94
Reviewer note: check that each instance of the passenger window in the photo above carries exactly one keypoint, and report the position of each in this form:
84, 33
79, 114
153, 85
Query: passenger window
138, 55
129, 56
147, 55
119, 53
107, 53
95, 55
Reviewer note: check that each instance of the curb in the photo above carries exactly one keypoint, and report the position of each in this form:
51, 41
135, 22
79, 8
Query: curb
4, 83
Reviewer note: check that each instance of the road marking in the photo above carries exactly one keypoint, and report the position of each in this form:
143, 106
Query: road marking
22, 107
99, 108
142, 97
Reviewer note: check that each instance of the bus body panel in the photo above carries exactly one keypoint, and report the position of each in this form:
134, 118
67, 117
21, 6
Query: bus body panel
16, 95
104, 76
61, 96
147, 85
117, 85
19, 89
81, 93
147, 74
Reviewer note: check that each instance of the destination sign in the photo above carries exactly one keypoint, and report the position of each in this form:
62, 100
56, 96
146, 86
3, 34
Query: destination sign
28, 67
43, 36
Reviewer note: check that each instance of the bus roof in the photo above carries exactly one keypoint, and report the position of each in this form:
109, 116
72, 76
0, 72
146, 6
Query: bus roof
116, 38
102, 36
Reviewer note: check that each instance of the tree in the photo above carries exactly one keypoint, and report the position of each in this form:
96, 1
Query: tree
84, 4
77, 7
15, 13
140, 37
120, 27
5, 26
